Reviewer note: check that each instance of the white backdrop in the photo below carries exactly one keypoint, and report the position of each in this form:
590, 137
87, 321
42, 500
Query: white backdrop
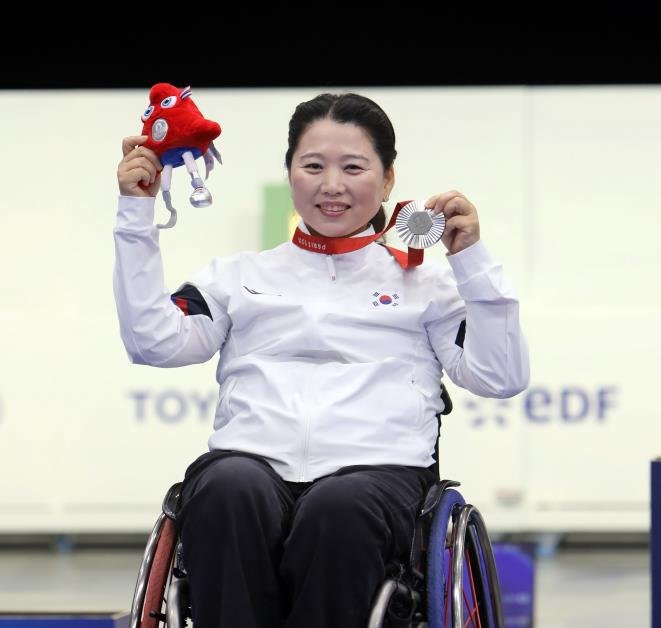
566, 184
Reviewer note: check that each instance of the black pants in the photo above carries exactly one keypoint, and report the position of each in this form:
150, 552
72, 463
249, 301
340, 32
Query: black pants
261, 552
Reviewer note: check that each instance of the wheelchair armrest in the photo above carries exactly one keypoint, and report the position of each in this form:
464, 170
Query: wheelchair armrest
434, 495
171, 501
447, 402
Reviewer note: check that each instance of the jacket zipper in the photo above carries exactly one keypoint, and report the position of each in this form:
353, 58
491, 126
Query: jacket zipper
307, 415
331, 267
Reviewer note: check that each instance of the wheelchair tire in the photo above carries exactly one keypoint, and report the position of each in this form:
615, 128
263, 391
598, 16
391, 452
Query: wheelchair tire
153, 575
437, 559
462, 581
158, 576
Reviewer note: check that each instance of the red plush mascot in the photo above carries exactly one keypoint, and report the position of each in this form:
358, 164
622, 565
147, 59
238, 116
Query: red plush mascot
178, 133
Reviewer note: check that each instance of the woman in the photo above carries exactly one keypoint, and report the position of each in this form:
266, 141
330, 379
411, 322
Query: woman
331, 355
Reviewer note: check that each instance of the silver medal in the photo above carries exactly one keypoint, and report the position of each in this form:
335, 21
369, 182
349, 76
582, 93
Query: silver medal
418, 227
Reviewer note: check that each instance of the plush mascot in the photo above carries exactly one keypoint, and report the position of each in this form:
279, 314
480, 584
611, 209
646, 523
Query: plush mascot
178, 133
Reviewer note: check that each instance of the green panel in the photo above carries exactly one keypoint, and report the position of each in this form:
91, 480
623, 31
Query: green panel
275, 217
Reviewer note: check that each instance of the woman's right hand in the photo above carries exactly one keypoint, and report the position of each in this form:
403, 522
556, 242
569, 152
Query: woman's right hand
139, 172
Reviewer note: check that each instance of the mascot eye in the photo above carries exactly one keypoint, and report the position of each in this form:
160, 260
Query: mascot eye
168, 102
148, 111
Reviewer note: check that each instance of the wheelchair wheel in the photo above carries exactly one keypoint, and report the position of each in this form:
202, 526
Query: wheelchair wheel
153, 577
462, 582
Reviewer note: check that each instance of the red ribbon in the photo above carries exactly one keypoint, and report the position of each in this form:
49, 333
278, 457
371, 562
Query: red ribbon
333, 246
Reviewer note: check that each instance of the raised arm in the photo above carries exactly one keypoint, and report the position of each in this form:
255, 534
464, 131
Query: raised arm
476, 332
154, 329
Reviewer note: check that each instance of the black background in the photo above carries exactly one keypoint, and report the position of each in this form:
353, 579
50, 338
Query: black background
619, 44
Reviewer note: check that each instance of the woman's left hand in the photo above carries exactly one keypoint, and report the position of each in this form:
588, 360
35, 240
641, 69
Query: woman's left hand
462, 226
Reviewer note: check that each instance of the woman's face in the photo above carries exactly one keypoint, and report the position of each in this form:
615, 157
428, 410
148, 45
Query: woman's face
337, 178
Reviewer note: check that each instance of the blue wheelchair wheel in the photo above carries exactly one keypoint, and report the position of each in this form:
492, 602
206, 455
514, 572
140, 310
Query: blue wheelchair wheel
438, 565
462, 582
481, 554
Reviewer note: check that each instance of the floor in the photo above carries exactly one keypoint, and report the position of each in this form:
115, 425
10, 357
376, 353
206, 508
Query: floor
607, 588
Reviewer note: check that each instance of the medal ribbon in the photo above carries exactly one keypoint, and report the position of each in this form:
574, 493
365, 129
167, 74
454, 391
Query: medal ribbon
333, 246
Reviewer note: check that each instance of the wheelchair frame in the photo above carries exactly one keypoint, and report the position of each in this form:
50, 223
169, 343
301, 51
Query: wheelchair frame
450, 579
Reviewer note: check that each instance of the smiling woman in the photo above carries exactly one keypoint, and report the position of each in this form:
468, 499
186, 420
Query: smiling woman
338, 180
331, 355
340, 163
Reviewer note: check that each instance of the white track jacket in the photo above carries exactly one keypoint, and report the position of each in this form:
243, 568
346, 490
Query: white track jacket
325, 361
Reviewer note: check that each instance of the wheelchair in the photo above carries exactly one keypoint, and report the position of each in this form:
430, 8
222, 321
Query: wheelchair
449, 580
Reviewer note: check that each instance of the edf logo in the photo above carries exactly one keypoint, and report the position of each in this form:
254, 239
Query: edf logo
571, 404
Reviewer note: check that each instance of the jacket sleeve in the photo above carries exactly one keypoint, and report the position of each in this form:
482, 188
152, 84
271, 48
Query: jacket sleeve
476, 335
154, 329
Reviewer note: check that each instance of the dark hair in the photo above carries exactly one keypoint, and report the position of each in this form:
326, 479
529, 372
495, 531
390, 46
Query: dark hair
353, 109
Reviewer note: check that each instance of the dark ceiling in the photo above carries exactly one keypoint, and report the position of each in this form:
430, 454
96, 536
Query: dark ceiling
626, 51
